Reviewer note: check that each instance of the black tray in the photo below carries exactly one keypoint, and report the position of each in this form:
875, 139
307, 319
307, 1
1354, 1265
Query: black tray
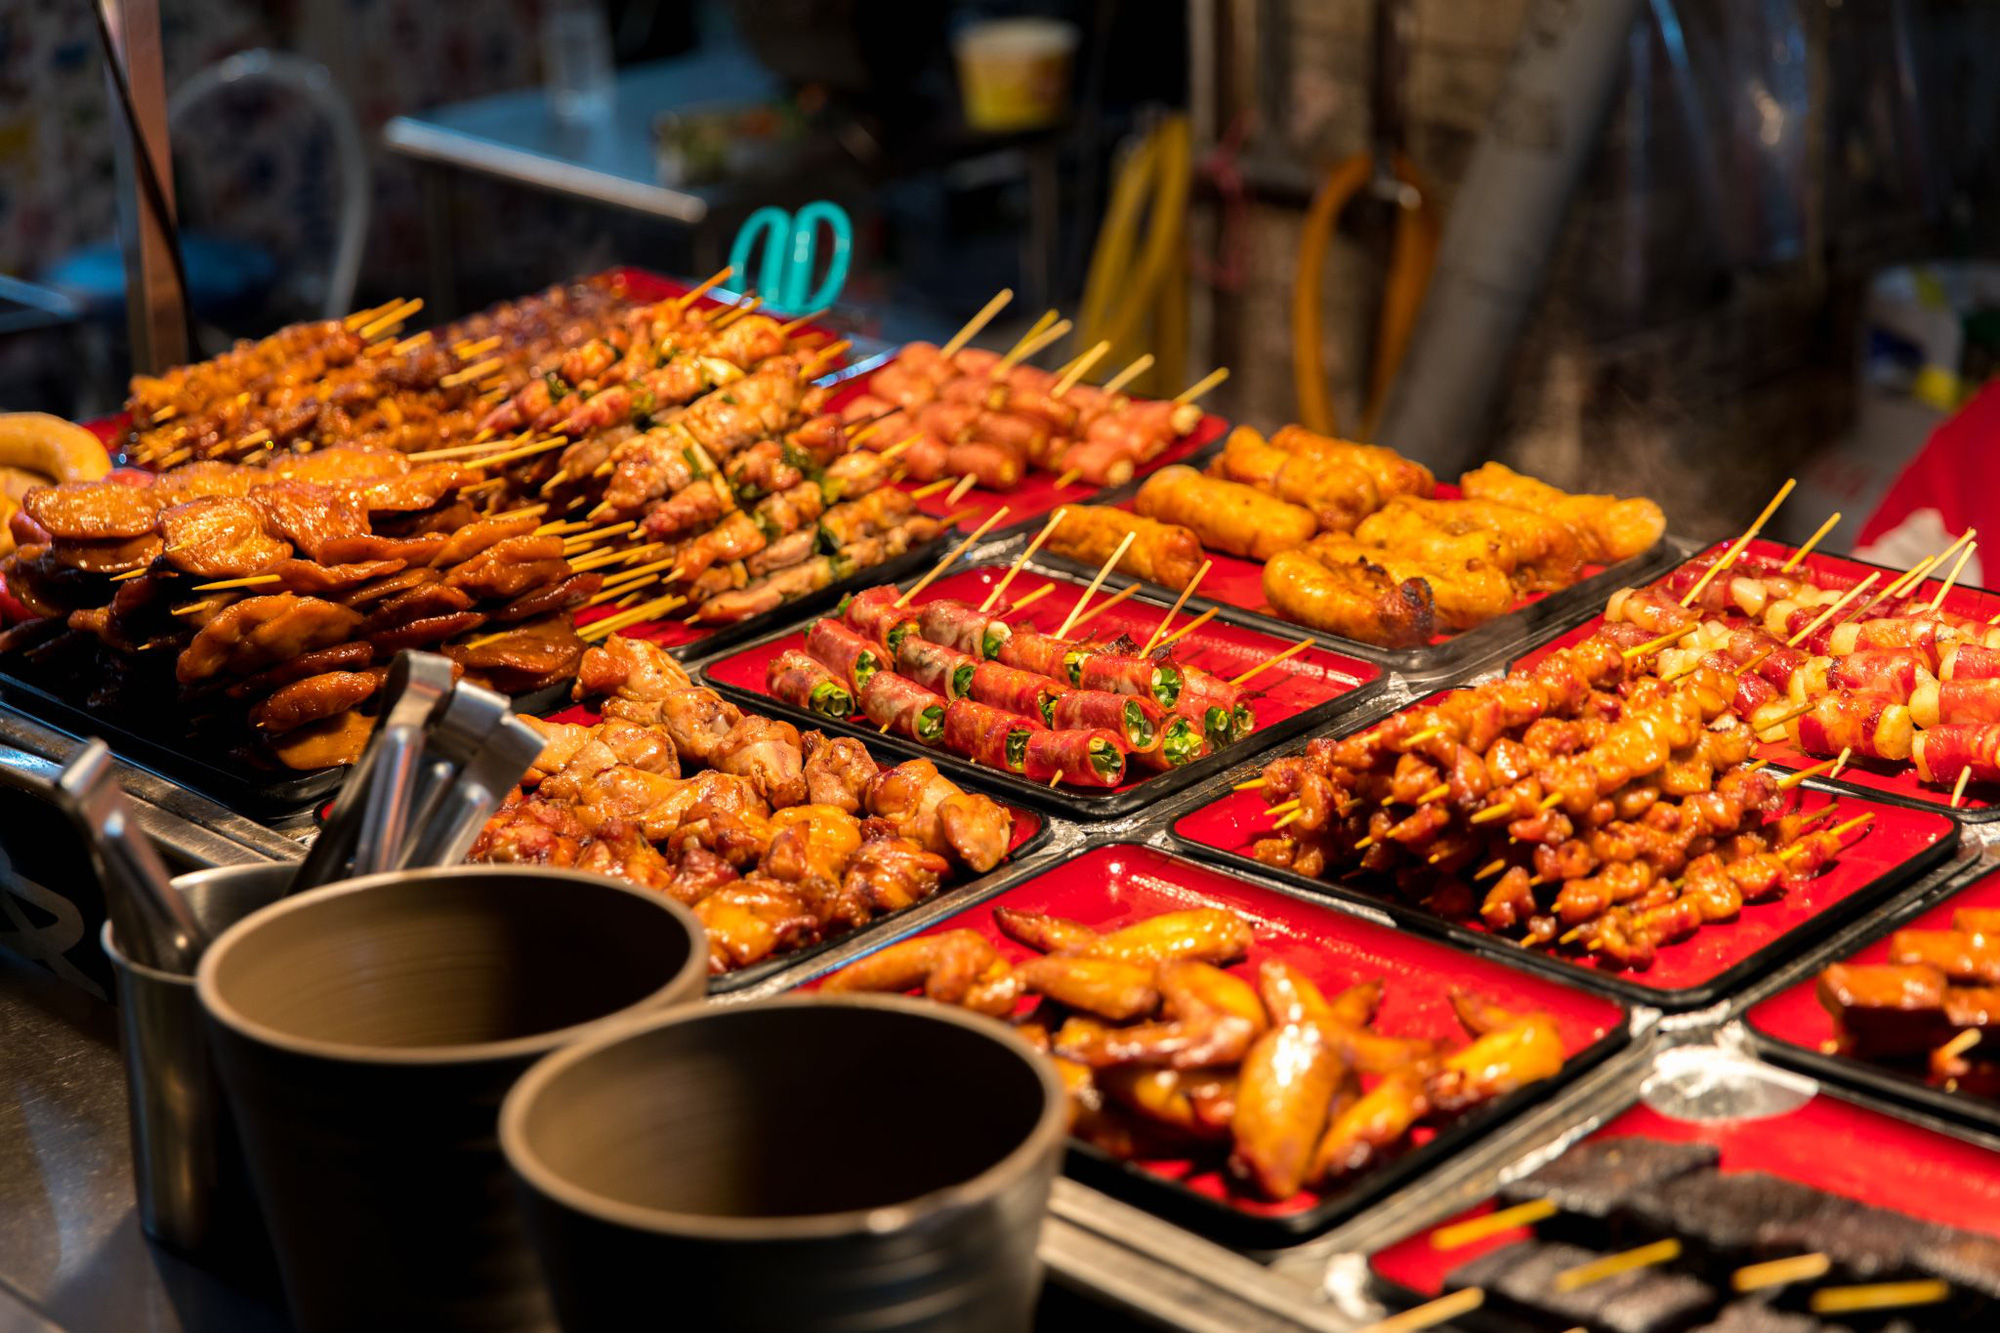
1215, 1218
1080, 802
1895, 1084
1674, 999
1553, 613
227, 780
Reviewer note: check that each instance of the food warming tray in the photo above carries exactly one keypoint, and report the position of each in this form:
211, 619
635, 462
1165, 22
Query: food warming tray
1119, 883
1303, 692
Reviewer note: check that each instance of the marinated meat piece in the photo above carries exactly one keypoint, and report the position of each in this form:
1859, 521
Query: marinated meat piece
444, 520
220, 537
365, 596
509, 568
307, 514
622, 852
418, 489
766, 751
751, 920
567, 595
696, 718
1721, 1214
317, 580
258, 632
931, 810
473, 538
701, 872
430, 630
838, 770
340, 463
630, 669
892, 873
46, 586
315, 698
92, 510
338, 740
524, 659
419, 603
533, 832
350, 656
208, 477
107, 557
410, 550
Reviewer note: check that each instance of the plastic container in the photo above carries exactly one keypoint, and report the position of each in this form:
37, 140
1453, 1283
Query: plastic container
1014, 73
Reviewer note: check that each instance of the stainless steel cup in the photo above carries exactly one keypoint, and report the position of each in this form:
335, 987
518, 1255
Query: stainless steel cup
366, 1033
186, 1162
808, 1164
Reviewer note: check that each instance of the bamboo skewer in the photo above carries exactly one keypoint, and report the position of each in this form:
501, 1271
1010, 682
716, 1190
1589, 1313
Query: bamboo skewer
471, 373
1188, 628
979, 321
1202, 385
932, 488
1787, 783
1736, 548
1957, 566
1832, 610
1104, 606
1096, 583
1035, 330
1068, 478
1654, 645
376, 328
248, 581
1879, 1296
957, 493
1175, 609
1812, 541
1431, 1313
952, 556
525, 451
1028, 347
1960, 1044
1000, 588
1030, 599
1958, 788
1611, 1265
792, 326
688, 298
1078, 368
1127, 375
1273, 660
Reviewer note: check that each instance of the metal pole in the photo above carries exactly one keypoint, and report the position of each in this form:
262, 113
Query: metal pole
1504, 223
152, 298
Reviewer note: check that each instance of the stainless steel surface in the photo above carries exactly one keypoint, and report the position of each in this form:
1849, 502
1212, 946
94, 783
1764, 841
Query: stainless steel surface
154, 925
187, 1167
448, 832
416, 690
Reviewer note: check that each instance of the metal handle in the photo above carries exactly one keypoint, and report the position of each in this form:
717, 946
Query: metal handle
385, 815
154, 926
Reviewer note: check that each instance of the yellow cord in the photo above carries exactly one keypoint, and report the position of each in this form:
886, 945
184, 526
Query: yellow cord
1121, 293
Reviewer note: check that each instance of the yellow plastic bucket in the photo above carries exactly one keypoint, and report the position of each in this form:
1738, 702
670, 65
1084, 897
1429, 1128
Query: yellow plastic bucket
1014, 73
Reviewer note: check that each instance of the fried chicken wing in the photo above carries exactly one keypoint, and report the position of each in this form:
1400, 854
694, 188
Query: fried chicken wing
894, 873
931, 810
837, 771
1369, 1128
1199, 1103
1105, 987
752, 919
1284, 1094
1215, 1018
953, 967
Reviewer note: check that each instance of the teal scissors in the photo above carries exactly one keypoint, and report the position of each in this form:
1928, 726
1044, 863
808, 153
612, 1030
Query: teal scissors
789, 252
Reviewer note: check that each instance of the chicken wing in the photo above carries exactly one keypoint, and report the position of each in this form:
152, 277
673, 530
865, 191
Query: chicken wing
1284, 1095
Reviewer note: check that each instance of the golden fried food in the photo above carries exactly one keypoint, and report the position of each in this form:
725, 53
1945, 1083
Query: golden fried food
1339, 493
1225, 515
1284, 1095
1612, 529
1539, 552
1164, 553
1370, 1127
953, 967
1354, 599
92, 510
1200, 1103
1217, 1017
219, 537
257, 632
1465, 592
1394, 474
1105, 987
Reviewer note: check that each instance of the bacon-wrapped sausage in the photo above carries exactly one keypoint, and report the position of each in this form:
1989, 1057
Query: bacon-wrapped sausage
936, 667
963, 626
873, 613
1032, 650
988, 735
905, 707
800, 681
1970, 661
1226, 515
1084, 758
1139, 723
1016, 691
1974, 702
1203, 690
1122, 673
1895, 672
1943, 752
1926, 636
1872, 725
852, 657
1164, 553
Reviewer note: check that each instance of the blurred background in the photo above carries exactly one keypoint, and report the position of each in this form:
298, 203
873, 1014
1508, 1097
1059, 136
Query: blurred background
1674, 247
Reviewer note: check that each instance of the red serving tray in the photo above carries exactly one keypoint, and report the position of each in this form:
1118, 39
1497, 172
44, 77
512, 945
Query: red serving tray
1037, 495
1116, 885
1692, 973
1829, 1143
1798, 1031
1289, 690
1895, 780
1029, 831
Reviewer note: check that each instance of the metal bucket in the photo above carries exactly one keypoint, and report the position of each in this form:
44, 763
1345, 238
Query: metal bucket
817, 1163
186, 1162
366, 1033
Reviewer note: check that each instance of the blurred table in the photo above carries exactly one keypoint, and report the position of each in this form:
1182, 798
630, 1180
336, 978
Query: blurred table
613, 162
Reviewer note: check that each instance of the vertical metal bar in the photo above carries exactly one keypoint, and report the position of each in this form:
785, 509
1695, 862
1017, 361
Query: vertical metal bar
152, 297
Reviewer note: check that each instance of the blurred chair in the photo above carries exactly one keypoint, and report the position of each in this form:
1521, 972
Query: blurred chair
229, 274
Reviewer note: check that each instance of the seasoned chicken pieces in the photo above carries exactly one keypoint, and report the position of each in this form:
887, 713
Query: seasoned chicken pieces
258, 631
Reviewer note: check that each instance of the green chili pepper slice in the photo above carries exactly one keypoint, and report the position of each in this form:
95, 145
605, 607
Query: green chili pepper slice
1242, 723
1138, 727
961, 680
930, 723
1166, 684
1017, 748
831, 699
865, 666
991, 641
1105, 758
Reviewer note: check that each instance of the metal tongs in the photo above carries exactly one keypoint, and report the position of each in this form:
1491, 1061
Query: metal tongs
154, 925
441, 759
